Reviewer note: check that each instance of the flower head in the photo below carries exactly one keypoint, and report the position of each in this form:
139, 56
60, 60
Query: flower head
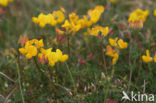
95, 31
112, 53
154, 12
5, 2
52, 19
122, 44
147, 58
30, 48
75, 23
155, 57
52, 57
96, 13
113, 42
137, 18
119, 43
29, 51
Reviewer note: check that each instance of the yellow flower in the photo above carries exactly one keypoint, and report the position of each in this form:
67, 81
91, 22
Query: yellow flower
60, 57
113, 42
112, 53
30, 48
75, 23
137, 18
52, 18
115, 58
45, 52
137, 15
71, 27
146, 58
122, 44
118, 43
112, 1
29, 51
52, 57
22, 51
155, 58
154, 12
5, 2
59, 16
39, 43
73, 17
85, 22
96, 13
66, 25
98, 29
64, 58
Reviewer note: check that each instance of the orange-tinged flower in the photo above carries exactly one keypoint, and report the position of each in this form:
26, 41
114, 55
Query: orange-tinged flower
22, 40
59, 31
137, 18
110, 51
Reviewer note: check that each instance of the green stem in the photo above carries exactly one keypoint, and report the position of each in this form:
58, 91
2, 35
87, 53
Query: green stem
109, 81
19, 82
150, 72
73, 82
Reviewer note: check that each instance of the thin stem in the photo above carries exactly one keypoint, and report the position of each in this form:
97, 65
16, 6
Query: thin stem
7, 77
103, 58
140, 64
18, 64
68, 38
109, 81
73, 82
131, 70
150, 72
49, 78
19, 82
38, 68
11, 93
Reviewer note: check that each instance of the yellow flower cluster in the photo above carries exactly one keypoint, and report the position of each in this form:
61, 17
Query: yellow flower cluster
5, 2
32, 47
52, 57
154, 12
137, 18
99, 29
147, 58
113, 1
52, 19
75, 23
112, 53
118, 44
